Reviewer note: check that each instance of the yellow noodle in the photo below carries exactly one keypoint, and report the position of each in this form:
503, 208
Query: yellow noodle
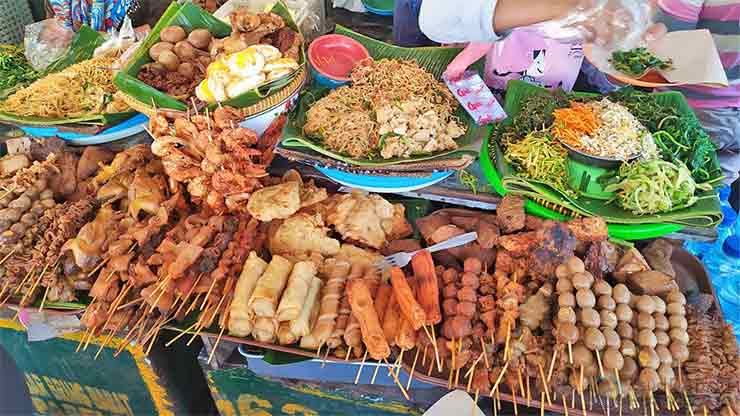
85, 88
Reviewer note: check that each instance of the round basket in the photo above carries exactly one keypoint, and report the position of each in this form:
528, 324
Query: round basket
260, 107
14, 16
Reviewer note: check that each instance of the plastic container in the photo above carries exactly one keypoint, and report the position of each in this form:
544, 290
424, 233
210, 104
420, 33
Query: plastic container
723, 266
406, 31
724, 229
332, 58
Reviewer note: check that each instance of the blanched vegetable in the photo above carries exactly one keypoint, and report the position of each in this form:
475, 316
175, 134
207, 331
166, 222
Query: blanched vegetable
654, 186
541, 158
637, 62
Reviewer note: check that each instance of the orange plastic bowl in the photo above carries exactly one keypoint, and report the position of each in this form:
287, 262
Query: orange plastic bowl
334, 56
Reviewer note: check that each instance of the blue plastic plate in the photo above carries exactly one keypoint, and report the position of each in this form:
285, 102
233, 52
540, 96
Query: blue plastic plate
383, 184
134, 125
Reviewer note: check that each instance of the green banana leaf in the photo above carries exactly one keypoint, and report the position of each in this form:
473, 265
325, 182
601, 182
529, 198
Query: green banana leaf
433, 59
191, 17
81, 48
705, 213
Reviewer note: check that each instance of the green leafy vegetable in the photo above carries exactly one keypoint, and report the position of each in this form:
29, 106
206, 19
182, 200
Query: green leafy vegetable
541, 158
15, 71
680, 138
655, 186
638, 61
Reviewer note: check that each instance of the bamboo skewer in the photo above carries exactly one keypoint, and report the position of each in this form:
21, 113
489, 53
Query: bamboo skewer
413, 368
362, 365
459, 367
349, 351
23, 282
471, 373
436, 351
375, 373
485, 355
180, 335
529, 392
544, 383
7, 256
215, 346
598, 360
521, 382
552, 364
500, 377
400, 386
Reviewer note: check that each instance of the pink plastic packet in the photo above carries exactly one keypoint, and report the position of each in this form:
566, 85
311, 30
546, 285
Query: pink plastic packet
473, 94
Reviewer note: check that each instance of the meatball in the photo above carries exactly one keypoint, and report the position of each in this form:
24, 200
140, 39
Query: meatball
646, 339
585, 298
628, 348
575, 265
472, 265
612, 338
660, 306
602, 288
649, 380
562, 272
645, 304
676, 297
582, 356
590, 318
567, 300
648, 358
678, 322
645, 321
621, 294
594, 339
662, 338
582, 280
624, 312
613, 359
608, 319
564, 285
606, 302
679, 335
679, 352
667, 376
449, 276
664, 355
568, 333
661, 322
625, 330
567, 315
675, 308
629, 369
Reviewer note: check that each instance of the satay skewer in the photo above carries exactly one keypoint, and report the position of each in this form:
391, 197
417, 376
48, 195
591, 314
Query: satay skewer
413, 368
362, 365
7, 256
23, 282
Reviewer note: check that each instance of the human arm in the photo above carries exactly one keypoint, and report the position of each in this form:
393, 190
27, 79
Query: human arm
472, 52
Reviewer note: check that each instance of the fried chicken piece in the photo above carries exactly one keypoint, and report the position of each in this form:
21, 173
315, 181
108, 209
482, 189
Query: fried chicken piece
91, 159
275, 202
510, 214
601, 258
367, 219
589, 229
302, 234
519, 244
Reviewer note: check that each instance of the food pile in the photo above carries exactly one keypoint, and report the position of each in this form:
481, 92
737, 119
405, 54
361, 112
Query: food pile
393, 109
222, 68
15, 71
638, 62
83, 89
652, 139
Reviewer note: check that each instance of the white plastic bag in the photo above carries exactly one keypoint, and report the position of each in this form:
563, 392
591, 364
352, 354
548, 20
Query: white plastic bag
118, 40
610, 24
45, 42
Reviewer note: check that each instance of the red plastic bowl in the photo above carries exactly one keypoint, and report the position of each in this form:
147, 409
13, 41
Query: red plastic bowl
334, 56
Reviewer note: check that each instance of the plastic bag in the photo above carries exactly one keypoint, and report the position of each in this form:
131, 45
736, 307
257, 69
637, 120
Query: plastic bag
45, 42
610, 24
118, 40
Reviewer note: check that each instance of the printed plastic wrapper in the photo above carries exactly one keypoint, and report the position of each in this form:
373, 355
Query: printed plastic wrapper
45, 42
610, 24
473, 94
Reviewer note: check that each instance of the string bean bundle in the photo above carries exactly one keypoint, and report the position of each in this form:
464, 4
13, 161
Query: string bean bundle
540, 158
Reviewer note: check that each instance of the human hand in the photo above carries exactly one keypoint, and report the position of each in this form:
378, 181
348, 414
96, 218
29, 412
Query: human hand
455, 70
655, 32
611, 24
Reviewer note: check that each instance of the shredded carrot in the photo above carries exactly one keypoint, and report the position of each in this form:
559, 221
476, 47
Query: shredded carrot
573, 123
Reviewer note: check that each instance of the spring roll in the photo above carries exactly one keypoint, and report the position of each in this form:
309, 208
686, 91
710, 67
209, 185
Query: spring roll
265, 329
269, 287
240, 317
295, 292
301, 325
336, 275
285, 335
363, 308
